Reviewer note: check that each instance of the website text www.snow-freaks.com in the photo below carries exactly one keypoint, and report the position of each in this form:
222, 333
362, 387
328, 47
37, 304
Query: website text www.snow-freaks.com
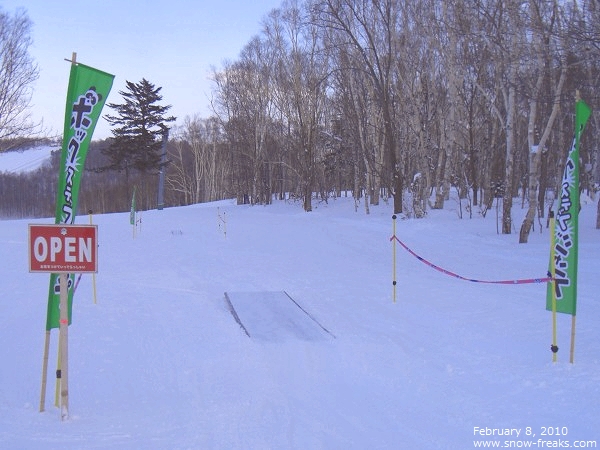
540, 443
545, 437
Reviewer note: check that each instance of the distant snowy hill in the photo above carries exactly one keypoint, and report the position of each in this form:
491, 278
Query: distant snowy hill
19, 161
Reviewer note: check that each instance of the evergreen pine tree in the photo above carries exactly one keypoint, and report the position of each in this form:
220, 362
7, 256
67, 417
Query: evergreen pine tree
140, 123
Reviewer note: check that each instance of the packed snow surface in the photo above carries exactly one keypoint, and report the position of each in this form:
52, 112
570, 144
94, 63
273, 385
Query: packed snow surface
158, 361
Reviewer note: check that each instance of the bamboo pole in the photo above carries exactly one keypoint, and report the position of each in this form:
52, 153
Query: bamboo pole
64, 347
572, 352
572, 356
45, 371
394, 258
553, 288
63, 337
57, 383
93, 273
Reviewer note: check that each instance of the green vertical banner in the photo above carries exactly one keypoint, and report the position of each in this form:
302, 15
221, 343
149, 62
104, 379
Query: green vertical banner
86, 95
565, 242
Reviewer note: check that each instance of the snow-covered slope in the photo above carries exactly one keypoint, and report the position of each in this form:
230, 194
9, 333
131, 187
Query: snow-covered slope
26, 160
159, 361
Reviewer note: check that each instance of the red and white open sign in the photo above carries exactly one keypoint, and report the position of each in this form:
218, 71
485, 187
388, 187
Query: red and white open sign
63, 248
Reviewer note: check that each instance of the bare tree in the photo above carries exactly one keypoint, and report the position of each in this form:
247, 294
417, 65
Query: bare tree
371, 30
429, 96
245, 105
17, 73
587, 34
301, 79
501, 28
186, 171
542, 29
196, 171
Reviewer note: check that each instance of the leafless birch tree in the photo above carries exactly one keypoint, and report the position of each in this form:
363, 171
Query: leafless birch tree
17, 74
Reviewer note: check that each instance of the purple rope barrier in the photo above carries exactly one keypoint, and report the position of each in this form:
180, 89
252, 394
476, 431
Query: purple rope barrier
452, 274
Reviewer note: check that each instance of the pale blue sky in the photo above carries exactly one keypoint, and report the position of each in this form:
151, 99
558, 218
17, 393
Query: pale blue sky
171, 43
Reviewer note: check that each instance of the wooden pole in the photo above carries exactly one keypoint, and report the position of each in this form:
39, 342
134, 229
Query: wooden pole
57, 383
47, 337
134, 224
45, 371
64, 347
63, 339
572, 356
572, 353
553, 282
394, 257
93, 273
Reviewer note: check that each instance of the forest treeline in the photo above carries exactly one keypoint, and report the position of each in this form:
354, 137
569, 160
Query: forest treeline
33, 193
387, 100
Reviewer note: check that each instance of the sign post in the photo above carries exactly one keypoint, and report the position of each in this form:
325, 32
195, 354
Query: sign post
63, 344
62, 249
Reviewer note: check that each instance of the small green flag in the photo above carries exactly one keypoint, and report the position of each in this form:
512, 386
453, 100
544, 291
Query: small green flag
86, 95
132, 213
564, 265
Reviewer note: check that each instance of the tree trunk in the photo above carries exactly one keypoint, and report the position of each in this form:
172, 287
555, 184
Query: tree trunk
536, 163
509, 168
536, 154
307, 197
440, 192
398, 187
